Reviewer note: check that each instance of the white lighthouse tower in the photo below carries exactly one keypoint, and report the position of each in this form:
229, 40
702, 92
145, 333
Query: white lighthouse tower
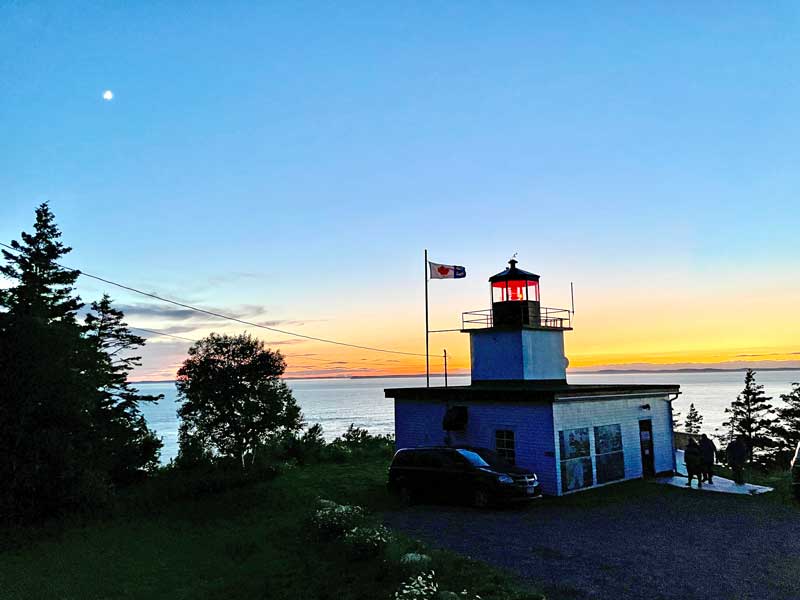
517, 339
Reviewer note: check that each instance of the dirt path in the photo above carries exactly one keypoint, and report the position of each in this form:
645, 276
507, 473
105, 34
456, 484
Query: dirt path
646, 541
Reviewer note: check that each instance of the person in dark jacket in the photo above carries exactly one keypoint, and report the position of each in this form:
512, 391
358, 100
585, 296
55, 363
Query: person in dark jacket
708, 454
737, 456
693, 463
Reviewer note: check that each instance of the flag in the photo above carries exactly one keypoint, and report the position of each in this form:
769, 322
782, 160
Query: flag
446, 271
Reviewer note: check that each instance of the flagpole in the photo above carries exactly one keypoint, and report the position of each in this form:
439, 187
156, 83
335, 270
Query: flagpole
427, 352
445, 367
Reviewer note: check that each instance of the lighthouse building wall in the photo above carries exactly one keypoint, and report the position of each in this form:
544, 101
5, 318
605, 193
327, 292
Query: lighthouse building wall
598, 441
526, 354
419, 423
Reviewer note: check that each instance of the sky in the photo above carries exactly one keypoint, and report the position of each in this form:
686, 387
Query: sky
288, 163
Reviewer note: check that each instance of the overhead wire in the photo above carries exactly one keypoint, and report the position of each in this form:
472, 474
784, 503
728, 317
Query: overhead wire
227, 317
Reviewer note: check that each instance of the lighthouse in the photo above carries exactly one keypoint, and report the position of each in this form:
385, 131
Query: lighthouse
520, 404
517, 339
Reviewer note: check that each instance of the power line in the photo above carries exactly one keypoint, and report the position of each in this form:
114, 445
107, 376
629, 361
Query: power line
177, 337
299, 358
228, 317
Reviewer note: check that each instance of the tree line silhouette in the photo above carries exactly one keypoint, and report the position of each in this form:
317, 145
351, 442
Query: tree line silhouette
71, 426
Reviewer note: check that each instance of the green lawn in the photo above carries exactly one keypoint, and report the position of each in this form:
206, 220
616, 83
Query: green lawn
252, 542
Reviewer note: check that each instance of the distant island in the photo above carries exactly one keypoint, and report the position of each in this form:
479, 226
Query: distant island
593, 372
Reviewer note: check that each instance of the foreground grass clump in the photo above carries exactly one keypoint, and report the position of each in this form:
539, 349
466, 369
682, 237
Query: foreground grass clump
255, 541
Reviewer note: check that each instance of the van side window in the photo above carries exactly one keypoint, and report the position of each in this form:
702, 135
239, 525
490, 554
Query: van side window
404, 459
429, 459
504, 444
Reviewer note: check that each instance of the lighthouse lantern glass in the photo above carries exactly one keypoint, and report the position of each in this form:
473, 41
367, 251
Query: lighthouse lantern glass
515, 291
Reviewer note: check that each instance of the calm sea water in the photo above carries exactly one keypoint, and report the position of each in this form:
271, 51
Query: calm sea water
335, 403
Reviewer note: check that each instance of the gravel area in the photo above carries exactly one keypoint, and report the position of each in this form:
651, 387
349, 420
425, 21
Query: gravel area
641, 540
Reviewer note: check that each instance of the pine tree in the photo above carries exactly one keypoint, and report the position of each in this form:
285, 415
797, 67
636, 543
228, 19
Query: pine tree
125, 445
44, 289
694, 420
676, 421
787, 428
751, 416
44, 417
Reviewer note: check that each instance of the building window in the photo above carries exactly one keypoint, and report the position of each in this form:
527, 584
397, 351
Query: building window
576, 460
504, 444
609, 457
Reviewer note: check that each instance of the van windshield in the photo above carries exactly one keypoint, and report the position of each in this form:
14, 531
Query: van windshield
494, 459
474, 458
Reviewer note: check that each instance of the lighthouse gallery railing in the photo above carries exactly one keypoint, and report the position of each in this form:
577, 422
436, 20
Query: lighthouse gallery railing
557, 318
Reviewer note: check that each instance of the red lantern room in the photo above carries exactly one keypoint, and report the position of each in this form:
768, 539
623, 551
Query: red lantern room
514, 285
515, 298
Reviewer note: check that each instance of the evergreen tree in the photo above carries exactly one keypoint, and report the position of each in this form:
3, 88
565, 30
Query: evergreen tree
234, 400
787, 429
125, 446
44, 418
676, 421
693, 420
751, 416
44, 289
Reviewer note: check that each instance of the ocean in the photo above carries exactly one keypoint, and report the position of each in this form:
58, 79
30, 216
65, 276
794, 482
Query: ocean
335, 403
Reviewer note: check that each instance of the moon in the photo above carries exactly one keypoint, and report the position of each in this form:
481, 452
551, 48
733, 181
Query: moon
108, 95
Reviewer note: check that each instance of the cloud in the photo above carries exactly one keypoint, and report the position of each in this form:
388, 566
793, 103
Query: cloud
169, 311
288, 342
232, 277
298, 322
768, 354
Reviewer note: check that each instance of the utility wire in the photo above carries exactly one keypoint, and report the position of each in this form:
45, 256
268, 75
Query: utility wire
177, 337
299, 358
228, 317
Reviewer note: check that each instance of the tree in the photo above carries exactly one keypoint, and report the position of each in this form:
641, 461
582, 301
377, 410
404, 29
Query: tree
750, 415
233, 398
44, 289
787, 428
125, 446
676, 420
44, 418
693, 420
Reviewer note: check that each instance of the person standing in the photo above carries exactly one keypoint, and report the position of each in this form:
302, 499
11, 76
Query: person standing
708, 454
693, 463
737, 456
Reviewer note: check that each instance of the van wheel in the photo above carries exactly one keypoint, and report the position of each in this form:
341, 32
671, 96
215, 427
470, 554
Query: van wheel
480, 498
406, 497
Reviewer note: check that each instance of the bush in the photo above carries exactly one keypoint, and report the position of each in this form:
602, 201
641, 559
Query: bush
331, 519
308, 447
367, 541
354, 436
359, 442
422, 586
416, 561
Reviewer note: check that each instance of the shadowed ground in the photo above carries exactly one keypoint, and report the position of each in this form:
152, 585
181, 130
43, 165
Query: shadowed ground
631, 540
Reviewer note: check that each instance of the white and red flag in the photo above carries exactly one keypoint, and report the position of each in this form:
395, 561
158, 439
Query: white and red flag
446, 271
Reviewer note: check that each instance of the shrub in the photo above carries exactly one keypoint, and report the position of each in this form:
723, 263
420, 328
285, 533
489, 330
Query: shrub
307, 447
416, 561
331, 519
422, 586
367, 541
355, 436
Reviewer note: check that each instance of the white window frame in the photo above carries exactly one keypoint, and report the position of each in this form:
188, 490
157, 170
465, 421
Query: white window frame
504, 449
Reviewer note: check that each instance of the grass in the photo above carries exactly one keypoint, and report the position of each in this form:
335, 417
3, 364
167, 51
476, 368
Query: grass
780, 480
251, 542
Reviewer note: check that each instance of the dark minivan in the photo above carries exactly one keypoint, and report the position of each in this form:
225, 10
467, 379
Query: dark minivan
476, 475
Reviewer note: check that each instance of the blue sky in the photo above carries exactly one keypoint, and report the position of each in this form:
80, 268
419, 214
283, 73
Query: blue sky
299, 157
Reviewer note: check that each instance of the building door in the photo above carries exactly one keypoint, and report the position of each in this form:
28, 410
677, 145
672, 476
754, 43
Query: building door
646, 441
